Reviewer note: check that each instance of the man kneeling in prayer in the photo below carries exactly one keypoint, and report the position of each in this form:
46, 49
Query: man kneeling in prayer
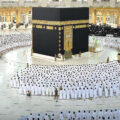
28, 93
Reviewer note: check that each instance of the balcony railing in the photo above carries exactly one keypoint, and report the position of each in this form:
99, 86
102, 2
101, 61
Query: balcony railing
76, 3
117, 4
55, 3
102, 3
31, 3
9, 3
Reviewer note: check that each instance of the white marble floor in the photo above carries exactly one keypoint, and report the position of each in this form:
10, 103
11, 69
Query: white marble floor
13, 105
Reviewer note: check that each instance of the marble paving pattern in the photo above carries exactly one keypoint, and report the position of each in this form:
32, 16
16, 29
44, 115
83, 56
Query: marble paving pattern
13, 105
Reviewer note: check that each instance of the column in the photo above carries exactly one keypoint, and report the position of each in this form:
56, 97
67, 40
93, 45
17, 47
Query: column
111, 19
10, 16
90, 15
44, 3
90, 2
17, 17
26, 17
7, 16
112, 3
118, 20
104, 17
67, 3
94, 17
114, 20
0, 3
21, 2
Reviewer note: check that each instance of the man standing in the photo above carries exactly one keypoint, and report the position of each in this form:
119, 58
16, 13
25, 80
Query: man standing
56, 94
61, 116
108, 60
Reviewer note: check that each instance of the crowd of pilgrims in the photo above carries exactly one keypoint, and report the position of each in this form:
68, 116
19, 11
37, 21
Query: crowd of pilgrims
18, 39
103, 30
71, 81
107, 41
107, 114
14, 39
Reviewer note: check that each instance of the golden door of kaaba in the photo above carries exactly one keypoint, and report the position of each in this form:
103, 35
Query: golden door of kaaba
68, 41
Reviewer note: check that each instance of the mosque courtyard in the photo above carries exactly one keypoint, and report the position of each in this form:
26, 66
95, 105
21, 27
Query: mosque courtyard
13, 105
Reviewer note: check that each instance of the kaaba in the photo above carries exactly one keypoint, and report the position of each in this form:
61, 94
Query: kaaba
60, 31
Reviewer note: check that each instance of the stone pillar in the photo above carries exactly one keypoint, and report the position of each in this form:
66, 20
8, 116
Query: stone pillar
118, 20
90, 2
0, 3
94, 17
112, 3
21, 2
111, 19
44, 3
7, 16
68, 3
17, 17
104, 17
26, 17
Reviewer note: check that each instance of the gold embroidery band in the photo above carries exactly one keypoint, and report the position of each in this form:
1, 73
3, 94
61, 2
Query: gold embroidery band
80, 26
39, 26
49, 27
59, 23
